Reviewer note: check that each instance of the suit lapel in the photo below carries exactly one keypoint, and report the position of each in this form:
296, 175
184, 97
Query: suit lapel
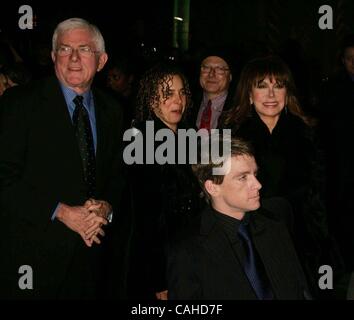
217, 241
54, 102
267, 245
59, 135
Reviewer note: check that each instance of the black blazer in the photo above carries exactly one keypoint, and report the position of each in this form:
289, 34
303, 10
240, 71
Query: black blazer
205, 265
40, 166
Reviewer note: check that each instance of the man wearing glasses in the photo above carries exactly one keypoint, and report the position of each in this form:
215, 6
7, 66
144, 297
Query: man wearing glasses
59, 173
215, 77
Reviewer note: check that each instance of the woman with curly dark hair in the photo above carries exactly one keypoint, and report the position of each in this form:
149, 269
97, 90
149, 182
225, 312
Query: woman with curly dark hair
165, 196
155, 92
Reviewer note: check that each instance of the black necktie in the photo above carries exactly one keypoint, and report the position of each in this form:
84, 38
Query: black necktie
84, 138
253, 266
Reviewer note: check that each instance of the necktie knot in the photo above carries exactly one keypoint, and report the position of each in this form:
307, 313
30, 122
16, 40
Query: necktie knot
78, 100
244, 232
209, 104
80, 111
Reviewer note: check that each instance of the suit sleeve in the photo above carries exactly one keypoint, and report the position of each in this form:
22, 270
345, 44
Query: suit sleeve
17, 196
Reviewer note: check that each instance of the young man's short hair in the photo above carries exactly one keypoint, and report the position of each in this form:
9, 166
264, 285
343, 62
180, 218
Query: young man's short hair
204, 171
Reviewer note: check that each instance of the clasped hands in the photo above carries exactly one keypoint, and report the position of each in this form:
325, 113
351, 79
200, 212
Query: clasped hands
86, 220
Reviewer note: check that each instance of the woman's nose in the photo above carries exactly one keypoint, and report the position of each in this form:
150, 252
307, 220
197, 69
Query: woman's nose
271, 92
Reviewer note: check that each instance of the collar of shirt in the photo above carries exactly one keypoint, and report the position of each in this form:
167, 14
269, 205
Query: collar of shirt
230, 224
217, 103
70, 95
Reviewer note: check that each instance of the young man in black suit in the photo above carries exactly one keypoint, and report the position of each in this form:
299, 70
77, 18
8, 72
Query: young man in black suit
214, 259
59, 173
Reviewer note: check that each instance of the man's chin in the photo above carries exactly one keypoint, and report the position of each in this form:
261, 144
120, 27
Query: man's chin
256, 205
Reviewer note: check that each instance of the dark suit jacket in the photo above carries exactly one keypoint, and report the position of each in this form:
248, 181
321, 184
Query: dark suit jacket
40, 166
205, 265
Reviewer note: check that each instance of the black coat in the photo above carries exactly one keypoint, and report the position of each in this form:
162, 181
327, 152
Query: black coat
205, 265
40, 166
165, 197
290, 166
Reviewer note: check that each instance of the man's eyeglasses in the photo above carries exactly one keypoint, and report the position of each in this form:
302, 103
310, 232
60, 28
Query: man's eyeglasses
218, 70
84, 51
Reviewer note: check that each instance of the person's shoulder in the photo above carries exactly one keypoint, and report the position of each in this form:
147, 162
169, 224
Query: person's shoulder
295, 120
278, 210
26, 90
298, 127
24, 97
274, 224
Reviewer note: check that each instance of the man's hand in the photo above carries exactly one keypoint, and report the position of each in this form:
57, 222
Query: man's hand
163, 295
79, 219
95, 229
99, 207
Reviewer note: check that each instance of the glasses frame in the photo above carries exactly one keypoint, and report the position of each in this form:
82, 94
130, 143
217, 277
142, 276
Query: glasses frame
82, 51
217, 69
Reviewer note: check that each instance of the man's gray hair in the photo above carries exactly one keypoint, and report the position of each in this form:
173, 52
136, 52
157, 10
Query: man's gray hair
78, 23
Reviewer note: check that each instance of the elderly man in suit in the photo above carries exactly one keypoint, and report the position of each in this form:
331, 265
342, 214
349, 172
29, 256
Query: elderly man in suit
215, 93
59, 172
234, 250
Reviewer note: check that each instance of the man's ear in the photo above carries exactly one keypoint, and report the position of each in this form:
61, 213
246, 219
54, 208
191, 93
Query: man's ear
211, 188
102, 61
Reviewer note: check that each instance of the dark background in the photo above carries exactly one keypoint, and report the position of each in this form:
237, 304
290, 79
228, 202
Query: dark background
241, 24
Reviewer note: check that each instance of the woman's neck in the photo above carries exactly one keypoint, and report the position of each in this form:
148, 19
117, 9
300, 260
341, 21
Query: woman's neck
270, 122
173, 127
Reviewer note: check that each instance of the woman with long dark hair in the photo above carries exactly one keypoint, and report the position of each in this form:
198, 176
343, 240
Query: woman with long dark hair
268, 114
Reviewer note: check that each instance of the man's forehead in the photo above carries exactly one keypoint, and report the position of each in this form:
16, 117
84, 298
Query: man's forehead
215, 59
235, 165
242, 163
